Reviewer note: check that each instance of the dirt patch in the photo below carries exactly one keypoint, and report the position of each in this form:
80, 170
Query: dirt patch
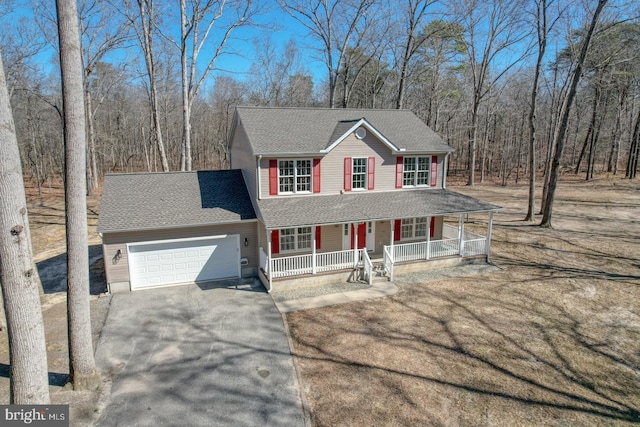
551, 338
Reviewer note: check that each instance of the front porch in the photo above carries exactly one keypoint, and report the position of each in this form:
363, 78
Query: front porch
455, 245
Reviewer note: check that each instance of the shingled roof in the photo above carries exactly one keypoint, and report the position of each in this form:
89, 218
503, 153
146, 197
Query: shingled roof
144, 201
285, 212
274, 131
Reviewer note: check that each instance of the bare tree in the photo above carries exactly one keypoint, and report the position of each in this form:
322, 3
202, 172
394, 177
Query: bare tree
413, 13
565, 111
82, 368
199, 19
29, 381
542, 32
144, 22
335, 24
491, 28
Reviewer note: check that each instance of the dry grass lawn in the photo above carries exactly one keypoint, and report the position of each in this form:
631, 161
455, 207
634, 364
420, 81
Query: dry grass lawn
551, 338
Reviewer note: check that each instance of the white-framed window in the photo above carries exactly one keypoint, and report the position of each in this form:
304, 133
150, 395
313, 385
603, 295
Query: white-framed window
295, 239
413, 228
416, 171
359, 174
294, 176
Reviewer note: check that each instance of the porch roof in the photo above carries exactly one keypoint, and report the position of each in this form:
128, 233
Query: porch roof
283, 212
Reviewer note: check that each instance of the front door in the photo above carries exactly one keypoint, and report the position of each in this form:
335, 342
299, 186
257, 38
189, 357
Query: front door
362, 235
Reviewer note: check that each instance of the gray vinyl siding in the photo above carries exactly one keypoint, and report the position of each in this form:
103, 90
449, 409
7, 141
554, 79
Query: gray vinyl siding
118, 271
242, 158
383, 235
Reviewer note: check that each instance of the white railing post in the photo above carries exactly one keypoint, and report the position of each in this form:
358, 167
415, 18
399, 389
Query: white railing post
428, 237
270, 261
461, 235
487, 245
313, 251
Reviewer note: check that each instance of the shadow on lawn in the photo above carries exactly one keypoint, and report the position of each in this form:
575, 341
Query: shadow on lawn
53, 272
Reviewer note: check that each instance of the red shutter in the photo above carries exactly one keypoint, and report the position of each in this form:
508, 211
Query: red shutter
347, 173
399, 171
273, 177
434, 171
431, 226
316, 175
397, 231
318, 228
371, 172
275, 241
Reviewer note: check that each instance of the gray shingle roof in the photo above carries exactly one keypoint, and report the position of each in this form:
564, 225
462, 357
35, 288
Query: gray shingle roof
308, 130
282, 212
144, 201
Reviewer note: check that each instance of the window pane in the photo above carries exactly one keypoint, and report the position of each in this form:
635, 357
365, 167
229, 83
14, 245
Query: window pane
303, 183
423, 171
406, 229
304, 238
286, 176
421, 227
409, 176
359, 173
287, 239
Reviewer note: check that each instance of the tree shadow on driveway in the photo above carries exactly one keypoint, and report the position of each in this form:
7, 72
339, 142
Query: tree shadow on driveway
53, 272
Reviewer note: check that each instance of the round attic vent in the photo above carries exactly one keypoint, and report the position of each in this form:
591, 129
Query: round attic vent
361, 132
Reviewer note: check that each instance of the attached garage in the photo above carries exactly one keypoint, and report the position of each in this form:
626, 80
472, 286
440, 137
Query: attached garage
161, 229
172, 262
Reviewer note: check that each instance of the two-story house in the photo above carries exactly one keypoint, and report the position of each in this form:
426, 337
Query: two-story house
315, 195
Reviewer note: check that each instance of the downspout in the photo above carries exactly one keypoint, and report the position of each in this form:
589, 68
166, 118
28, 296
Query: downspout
259, 188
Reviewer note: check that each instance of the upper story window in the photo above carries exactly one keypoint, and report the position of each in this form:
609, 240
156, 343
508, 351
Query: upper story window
294, 176
359, 175
416, 171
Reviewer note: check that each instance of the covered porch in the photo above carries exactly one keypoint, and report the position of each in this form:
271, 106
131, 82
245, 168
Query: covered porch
369, 234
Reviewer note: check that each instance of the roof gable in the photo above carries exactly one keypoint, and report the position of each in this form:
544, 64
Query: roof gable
312, 131
351, 126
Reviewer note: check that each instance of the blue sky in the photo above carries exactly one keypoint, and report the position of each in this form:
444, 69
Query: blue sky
241, 43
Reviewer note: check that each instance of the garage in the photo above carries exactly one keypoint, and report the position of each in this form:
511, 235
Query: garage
163, 263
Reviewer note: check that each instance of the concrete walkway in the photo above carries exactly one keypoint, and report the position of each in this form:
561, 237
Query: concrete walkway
377, 290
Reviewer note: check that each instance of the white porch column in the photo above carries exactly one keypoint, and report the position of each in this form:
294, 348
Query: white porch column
487, 243
428, 237
313, 250
354, 234
461, 234
269, 259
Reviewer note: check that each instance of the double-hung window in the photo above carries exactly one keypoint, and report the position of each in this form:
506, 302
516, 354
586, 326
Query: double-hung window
359, 174
295, 239
294, 176
416, 171
413, 228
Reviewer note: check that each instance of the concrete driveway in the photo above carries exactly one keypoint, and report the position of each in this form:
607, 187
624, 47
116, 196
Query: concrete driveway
198, 356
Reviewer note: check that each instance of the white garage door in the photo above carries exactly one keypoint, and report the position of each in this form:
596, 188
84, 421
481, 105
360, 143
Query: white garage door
178, 261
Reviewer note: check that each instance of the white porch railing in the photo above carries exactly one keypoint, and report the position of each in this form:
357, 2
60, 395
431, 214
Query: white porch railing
285, 266
339, 260
291, 265
387, 262
409, 251
368, 266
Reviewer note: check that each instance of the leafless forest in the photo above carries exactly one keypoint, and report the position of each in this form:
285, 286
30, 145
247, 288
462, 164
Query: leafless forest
509, 84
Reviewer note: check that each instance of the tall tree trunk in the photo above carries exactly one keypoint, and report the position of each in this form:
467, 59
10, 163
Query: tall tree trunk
634, 150
91, 139
592, 125
612, 162
82, 368
560, 135
29, 381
